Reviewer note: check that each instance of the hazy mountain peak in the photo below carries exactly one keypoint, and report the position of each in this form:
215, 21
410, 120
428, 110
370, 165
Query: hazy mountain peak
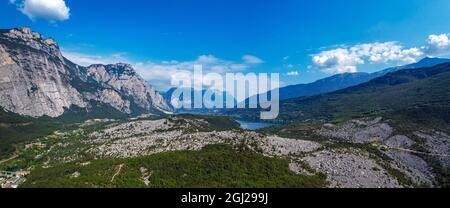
429, 61
342, 81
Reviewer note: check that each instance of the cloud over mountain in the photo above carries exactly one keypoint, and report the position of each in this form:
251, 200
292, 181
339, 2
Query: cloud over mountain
438, 44
347, 59
160, 72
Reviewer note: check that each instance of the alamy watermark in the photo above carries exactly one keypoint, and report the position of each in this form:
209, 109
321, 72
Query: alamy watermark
231, 91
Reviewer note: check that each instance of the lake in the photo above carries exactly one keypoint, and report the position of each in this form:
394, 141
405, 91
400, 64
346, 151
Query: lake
253, 125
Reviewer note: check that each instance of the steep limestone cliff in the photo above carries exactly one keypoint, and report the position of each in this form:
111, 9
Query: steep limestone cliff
36, 80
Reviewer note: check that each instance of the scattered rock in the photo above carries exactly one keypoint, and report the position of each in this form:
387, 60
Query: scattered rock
278, 146
351, 169
399, 141
438, 144
75, 174
358, 131
413, 166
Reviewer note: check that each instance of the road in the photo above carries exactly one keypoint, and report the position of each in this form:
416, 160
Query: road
9, 159
420, 153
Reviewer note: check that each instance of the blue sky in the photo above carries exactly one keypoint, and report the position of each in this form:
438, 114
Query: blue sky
302, 40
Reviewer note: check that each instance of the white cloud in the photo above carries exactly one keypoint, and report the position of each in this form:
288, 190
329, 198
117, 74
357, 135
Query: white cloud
337, 61
387, 52
347, 59
159, 73
438, 44
293, 73
249, 59
439, 41
86, 60
163, 71
207, 59
51, 10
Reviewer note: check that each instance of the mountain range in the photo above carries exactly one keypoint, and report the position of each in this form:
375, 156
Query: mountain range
225, 97
420, 95
424, 91
345, 80
37, 80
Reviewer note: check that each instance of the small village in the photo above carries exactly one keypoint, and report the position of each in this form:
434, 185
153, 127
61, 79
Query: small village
13, 179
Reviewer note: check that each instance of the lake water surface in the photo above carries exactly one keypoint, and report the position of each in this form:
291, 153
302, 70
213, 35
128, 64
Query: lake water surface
253, 125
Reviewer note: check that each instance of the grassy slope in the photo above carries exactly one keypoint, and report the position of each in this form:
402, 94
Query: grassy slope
214, 166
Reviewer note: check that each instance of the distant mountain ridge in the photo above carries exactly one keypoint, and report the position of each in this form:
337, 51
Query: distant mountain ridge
329, 84
169, 96
420, 93
425, 62
342, 81
36, 80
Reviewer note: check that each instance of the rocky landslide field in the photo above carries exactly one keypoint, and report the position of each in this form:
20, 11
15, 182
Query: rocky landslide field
358, 153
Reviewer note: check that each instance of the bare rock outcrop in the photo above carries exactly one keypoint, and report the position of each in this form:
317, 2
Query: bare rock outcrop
350, 169
399, 148
358, 131
34, 80
438, 145
122, 78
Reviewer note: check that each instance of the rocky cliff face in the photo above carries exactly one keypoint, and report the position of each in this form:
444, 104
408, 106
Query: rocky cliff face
36, 80
124, 87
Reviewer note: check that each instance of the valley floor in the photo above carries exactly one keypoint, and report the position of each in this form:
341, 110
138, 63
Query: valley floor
193, 151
